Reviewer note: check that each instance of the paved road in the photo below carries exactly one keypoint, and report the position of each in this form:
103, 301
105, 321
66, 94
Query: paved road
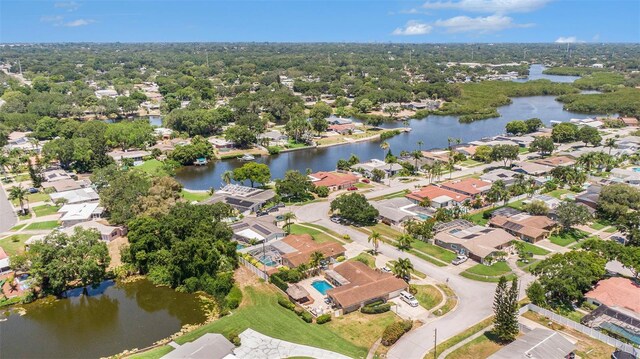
474, 298
8, 216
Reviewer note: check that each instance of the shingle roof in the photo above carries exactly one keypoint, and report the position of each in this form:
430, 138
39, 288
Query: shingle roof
432, 192
305, 246
471, 186
617, 291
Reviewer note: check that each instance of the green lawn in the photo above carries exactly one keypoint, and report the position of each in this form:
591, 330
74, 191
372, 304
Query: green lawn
385, 230
451, 301
565, 238
195, 196
14, 244
45, 210
470, 163
42, 225
390, 195
325, 229
316, 234
597, 226
365, 258
519, 205
481, 347
263, 314
535, 249
155, 353
32, 198
152, 167
494, 270
18, 227
434, 251
559, 192
362, 185
428, 296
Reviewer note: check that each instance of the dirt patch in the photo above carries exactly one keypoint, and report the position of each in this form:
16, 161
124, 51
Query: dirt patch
114, 251
245, 278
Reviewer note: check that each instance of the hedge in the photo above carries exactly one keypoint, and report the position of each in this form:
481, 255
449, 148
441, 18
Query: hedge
234, 298
394, 331
279, 282
324, 318
284, 302
307, 317
376, 309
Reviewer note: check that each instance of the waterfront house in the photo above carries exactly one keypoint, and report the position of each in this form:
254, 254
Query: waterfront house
304, 245
333, 180
339, 120
367, 168
479, 243
244, 199
209, 346
273, 138
438, 196
345, 129
629, 121
356, 285
137, 156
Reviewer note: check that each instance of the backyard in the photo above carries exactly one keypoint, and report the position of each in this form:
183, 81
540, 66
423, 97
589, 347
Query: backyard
533, 249
195, 196
14, 244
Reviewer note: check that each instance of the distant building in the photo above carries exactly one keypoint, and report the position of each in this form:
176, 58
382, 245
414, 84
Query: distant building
395, 211
339, 121
590, 197
556, 161
367, 168
356, 285
4, 262
345, 129
106, 93
478, 243
56, 175
64, 185
630, 121
539, 343
532, 168
137, 156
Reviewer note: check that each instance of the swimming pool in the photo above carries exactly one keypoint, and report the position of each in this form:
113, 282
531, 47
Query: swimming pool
321, 286
268, 261
423, 216
636, 169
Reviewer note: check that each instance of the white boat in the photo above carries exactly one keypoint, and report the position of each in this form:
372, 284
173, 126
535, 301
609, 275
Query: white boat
246, 158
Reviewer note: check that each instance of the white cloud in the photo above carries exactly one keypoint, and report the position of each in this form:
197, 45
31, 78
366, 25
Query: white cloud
68, 5
413, 11
488, 6
567, 40
413, 27
79, 22
54, 19
479, 24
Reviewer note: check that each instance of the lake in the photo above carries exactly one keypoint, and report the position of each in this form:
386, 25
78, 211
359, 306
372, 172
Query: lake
433, 131
535, 73
112, 318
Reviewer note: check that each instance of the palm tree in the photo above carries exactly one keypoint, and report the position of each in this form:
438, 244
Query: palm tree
384, 146
404, 242
315, 260
425, 202
416, 156
19, 194
288, 217
374, 238
227, 176
402, 268
420, 143
303, 268
611, 143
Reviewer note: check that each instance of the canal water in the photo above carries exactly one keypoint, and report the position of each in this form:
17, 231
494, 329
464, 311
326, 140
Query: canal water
535, 73
112, 318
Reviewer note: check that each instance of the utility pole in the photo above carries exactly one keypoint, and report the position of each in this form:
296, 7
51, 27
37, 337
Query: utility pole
435, 343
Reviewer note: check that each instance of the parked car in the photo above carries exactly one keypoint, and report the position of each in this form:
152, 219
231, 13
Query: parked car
336, 219
352, 189
409, 298
365, 180
459, 260
261, 213
33, 190
385, 269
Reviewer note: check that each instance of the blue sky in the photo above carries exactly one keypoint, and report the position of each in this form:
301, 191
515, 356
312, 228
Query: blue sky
321, 21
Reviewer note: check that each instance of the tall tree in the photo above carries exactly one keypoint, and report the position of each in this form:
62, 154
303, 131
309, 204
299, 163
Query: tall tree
374, 239
402, 268
505, 307
17, 193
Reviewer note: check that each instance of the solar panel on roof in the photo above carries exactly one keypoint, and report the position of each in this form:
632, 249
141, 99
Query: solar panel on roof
261, 229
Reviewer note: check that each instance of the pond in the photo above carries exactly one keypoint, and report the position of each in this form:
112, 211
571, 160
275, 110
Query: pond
112, 318
433, 131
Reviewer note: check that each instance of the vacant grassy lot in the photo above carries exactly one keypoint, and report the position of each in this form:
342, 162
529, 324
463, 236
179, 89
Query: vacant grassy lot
481, 347
428, 296
262, 313
316, 234
45, 210
42, 225
565, 238
325, 229
195, 196
14, 244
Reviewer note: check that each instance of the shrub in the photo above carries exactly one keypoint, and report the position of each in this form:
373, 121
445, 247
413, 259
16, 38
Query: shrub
306, 316
346, 236
394, 331
279, 282
376, 309
324, 318
340, 259
286, 303
273, 150
298, 311
322, 191
234, 298
235, 339
388, 134
413, 289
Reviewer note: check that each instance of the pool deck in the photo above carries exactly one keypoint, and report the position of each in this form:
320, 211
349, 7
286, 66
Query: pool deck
318, 298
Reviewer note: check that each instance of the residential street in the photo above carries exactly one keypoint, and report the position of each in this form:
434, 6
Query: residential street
8, 216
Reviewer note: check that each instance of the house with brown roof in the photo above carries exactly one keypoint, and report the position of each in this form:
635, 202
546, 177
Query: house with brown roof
524, 226
469, 186
303, 246
630, 121
439, 197
333, 180
556, 161
357, 285
532, 168
342, 129
479, 243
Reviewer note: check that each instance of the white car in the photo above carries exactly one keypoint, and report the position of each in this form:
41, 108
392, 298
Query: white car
409, 298
459, 260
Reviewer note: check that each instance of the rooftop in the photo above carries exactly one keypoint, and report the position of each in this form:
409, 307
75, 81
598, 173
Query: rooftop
82, 211
332, 179
76, 196
537, 344
617, 292
304, 246
437, 194
471, 186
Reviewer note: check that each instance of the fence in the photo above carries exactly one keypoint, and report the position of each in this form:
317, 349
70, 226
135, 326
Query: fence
582, 329
254, 269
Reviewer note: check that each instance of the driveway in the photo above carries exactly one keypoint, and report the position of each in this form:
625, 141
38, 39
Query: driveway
405, 311
8, 216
